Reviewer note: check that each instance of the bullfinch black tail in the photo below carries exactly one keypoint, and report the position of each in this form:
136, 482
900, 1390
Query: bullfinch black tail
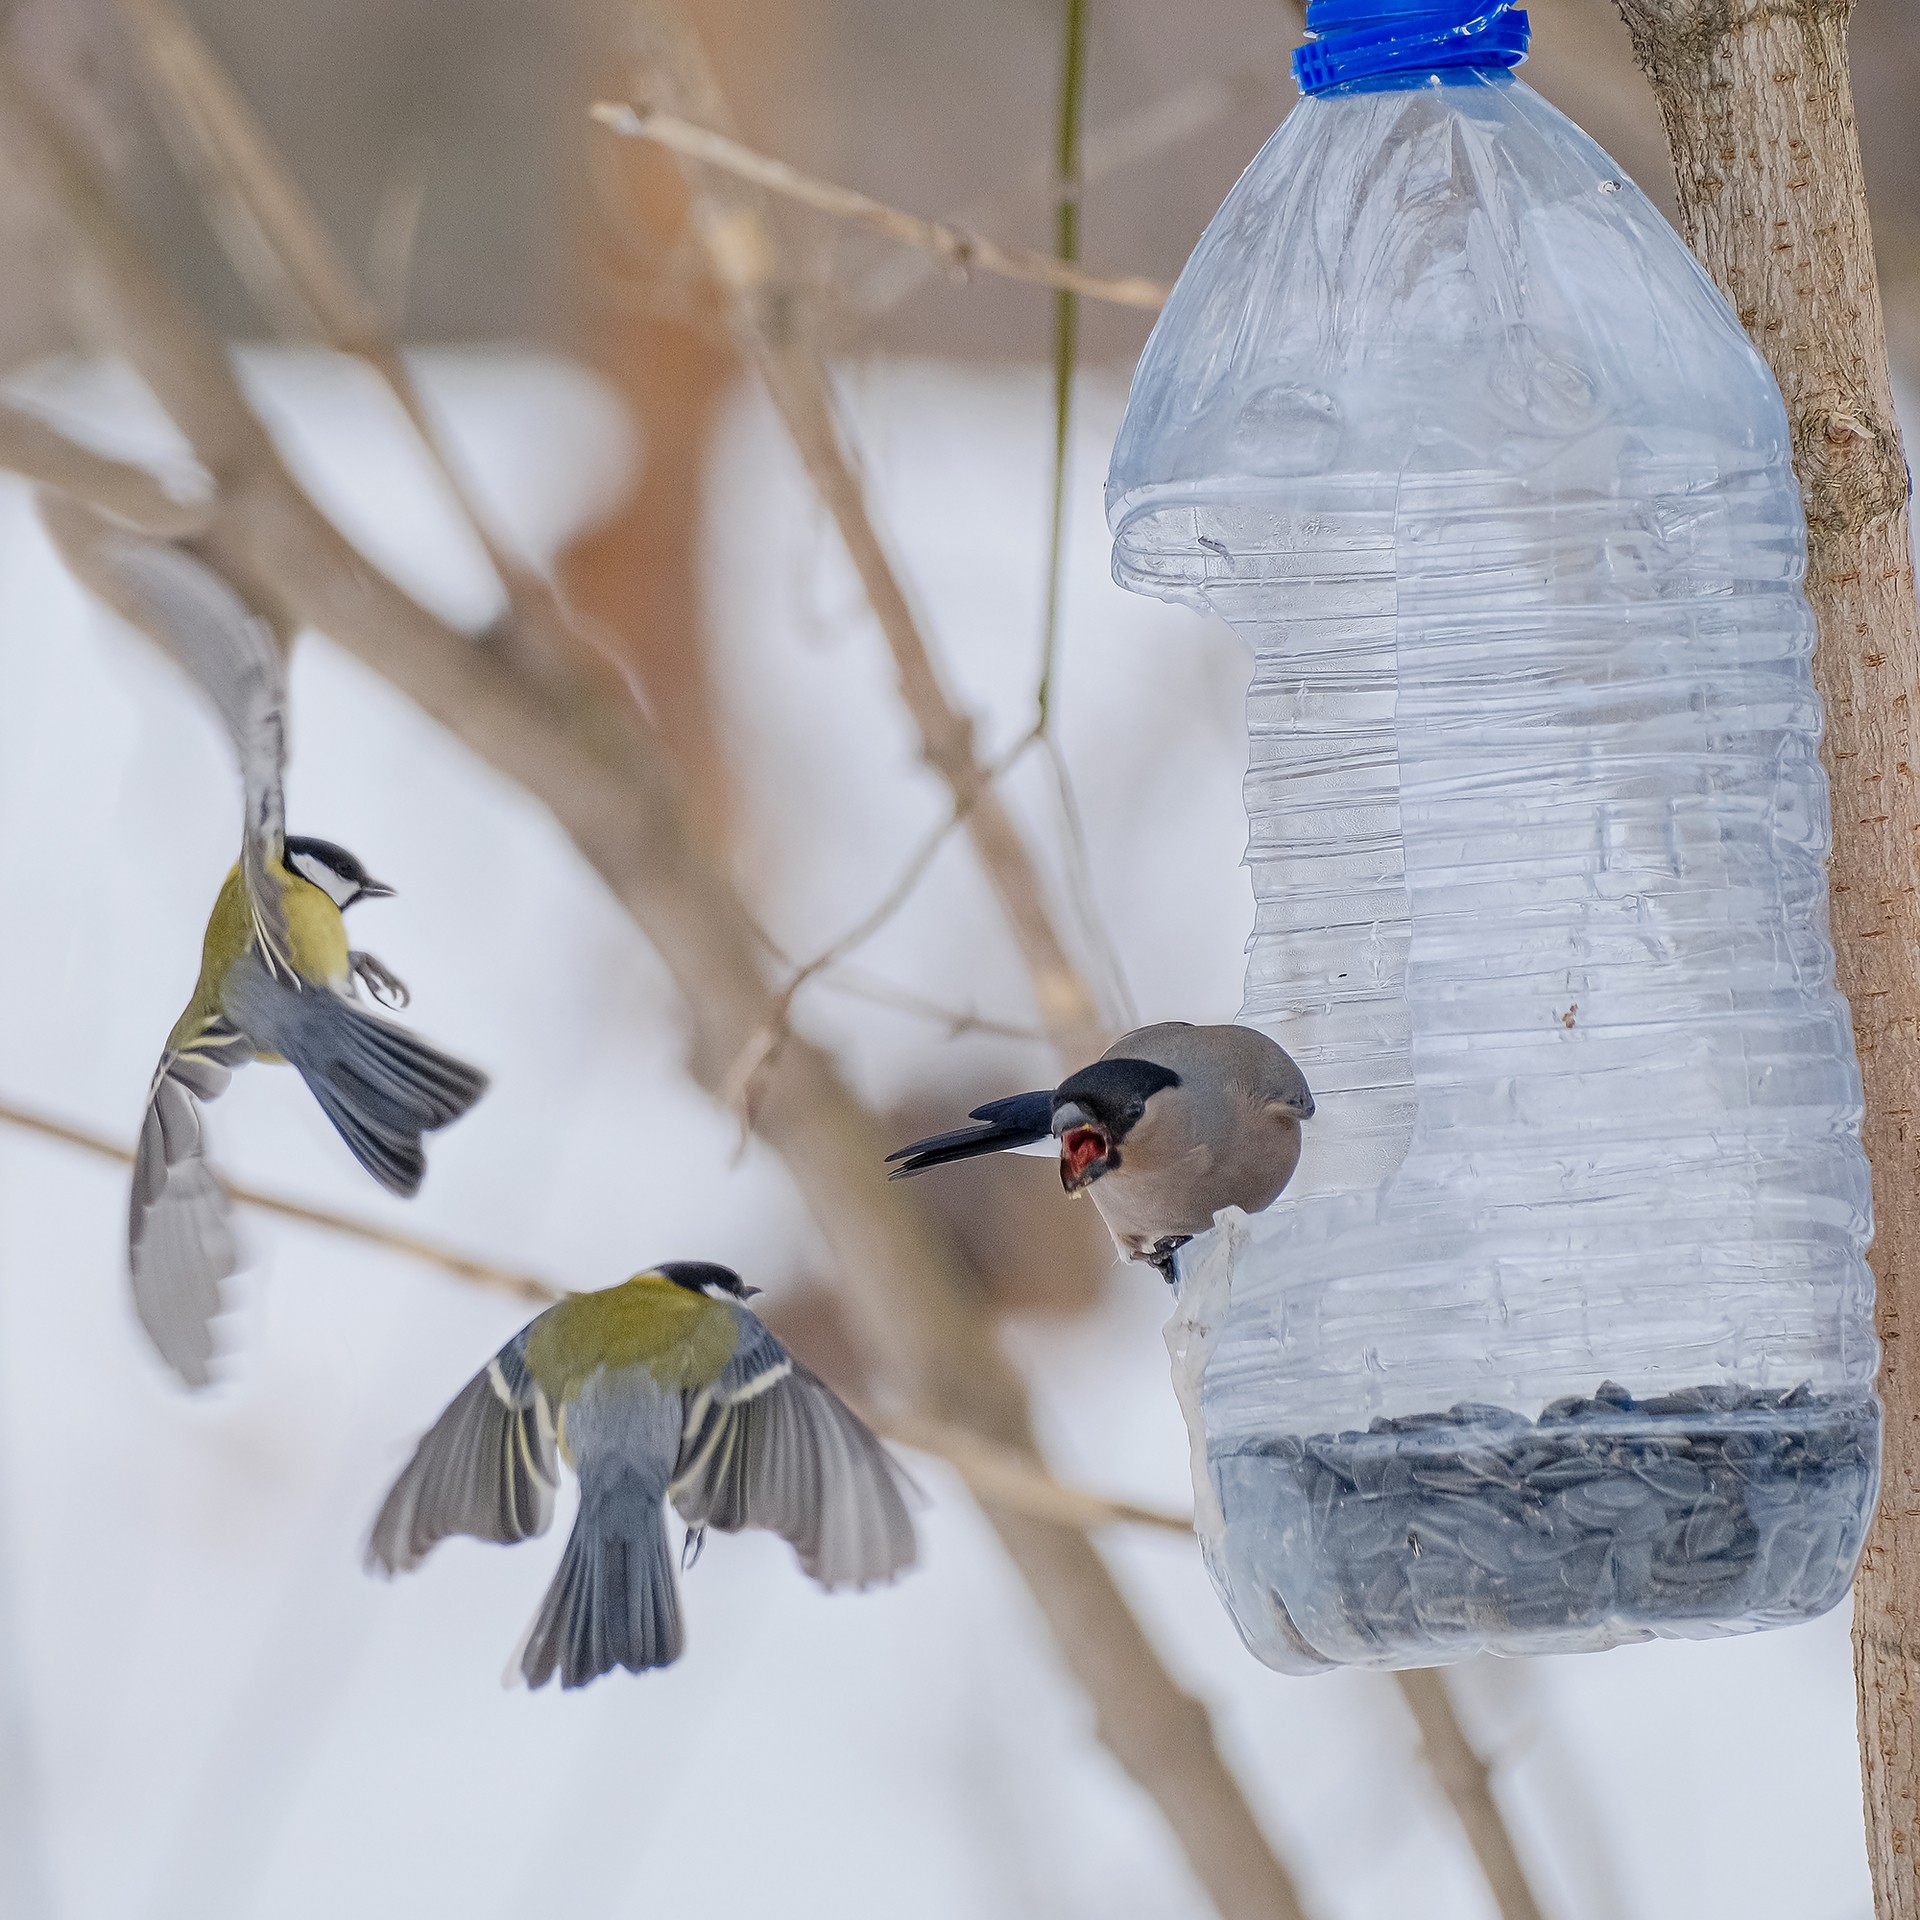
1023, 1120
615, 1601
380, 1085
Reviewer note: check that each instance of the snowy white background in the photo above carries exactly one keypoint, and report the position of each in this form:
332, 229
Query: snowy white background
207, 1711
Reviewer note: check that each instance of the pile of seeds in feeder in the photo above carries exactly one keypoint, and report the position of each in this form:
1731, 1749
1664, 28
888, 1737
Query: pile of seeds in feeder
1479, 1526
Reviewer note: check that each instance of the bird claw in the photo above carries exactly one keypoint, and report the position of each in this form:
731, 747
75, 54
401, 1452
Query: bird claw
690, 1548
1161, 1258
379, 979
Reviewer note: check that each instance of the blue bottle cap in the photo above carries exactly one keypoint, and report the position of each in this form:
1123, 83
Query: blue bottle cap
1362, 39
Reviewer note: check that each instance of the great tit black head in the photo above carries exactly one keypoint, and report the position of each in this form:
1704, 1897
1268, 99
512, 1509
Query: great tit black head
333, 870
1095, 1110
708, 1277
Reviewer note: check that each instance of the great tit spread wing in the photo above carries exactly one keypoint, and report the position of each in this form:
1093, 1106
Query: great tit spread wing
381, 1086
234, 657
1006, 1125
487, 1467
180, 1243
770, 1445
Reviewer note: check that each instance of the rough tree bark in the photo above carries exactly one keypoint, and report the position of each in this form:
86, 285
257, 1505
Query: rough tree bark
1759, 116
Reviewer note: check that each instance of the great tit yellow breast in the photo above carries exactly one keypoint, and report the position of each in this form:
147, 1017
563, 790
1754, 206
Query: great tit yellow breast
317, 932
229, 930
682, 1339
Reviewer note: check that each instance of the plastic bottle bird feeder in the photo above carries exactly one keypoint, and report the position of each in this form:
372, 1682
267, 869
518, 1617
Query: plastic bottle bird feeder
1562, 1335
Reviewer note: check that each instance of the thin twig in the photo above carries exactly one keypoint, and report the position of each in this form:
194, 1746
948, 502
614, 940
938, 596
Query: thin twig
996, 1475
956, 1020
278, 243
762, 1047
396, 235
484, 1273
962, 251
565, 730
760, 1051
745, 257
1175, 117
1467, 1782
38, 451
1066, 328
1069, 185
1154, 1728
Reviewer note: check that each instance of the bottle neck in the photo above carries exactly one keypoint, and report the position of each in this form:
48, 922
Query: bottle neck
1356, 41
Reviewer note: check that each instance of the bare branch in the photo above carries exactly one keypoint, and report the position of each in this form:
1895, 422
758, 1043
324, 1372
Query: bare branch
1467, 1782
1175, 117
956, 1020
277, 242
1000, 1477
562, 727
482, 1273
745, 257
737, 1083
135, 496
962, 251
997, 1476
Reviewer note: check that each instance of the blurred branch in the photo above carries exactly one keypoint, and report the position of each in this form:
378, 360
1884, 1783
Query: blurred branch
483, 1273
139, 498
1467, 1782
745, 257
1175, 117
1758, 107
737, 1084
996, 1475
956, 1020
564, 728
278, 244
1066, 340
961, 251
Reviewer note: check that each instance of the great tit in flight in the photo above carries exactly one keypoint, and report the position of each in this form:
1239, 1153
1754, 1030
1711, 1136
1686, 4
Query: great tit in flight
666, 1387
1172, 1123
276, 974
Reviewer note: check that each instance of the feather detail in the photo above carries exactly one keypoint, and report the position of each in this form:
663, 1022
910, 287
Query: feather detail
233, 656
381, 1086
486, 1468
775, 1447
180, 1241
1021, 1120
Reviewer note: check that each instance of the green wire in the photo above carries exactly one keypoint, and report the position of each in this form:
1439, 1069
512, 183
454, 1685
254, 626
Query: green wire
1066, 325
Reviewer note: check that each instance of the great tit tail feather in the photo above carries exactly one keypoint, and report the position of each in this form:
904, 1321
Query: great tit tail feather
615, 1601
487, 1468
780, 1449
381, 1086
1022, 1120
180, 1239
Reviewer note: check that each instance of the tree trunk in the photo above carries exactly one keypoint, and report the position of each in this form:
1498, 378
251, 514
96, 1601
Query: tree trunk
1759, 116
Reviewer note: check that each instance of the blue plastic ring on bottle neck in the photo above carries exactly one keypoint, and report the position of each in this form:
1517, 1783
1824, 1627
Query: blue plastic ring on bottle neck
1364, 39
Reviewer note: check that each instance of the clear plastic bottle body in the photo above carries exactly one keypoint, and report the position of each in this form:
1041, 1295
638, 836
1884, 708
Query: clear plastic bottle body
1562, 1335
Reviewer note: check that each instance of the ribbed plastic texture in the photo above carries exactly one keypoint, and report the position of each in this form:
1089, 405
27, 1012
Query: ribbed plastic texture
1562, 1335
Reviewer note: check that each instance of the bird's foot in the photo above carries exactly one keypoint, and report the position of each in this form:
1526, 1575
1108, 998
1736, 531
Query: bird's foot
690, 1548
379, 979
1161, 1258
